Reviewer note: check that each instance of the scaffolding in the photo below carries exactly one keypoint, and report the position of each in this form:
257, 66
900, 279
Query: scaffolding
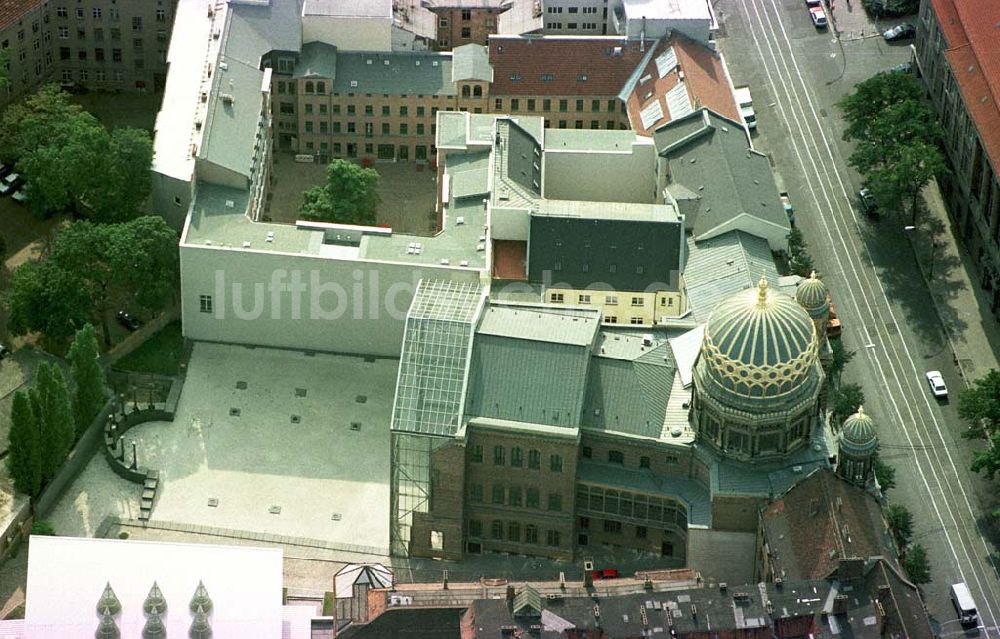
430, 393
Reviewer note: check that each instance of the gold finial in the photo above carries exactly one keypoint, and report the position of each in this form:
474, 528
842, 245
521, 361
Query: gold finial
861, 411
812, 275
762, 290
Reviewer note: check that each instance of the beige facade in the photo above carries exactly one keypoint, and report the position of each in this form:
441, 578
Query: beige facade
637, 308
99, 45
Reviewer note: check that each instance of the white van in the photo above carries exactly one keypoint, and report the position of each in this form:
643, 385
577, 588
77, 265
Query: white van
745, 101
966, 607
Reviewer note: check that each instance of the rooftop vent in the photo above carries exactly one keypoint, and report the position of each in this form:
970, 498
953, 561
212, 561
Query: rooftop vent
417, 63
459, 220
385, 62
445, 261
464, 263
227, 98
368, 61
230, 204
223, 66
270, 236
354, 84
434, 63
246, 243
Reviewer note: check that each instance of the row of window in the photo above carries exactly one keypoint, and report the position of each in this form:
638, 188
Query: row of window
97, 13
517, 458
83, 75
288, 108
610, 300
634, 506
114, 33
65, 53
382, 152
584, 10
531, 104
369, 128
515, 496
511, 531
588, 26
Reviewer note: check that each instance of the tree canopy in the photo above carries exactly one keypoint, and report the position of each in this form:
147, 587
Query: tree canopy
55, 418
91, 267
24, 459
71, 162
88, 377
846, 401
348, 197
979, 405
900, 522
896, 133
916, 564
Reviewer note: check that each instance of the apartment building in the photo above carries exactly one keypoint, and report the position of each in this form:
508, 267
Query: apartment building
957, 47
466, 21
100, 45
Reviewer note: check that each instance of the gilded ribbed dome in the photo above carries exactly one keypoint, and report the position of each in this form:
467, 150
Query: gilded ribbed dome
813, 295
858, 435
759, 343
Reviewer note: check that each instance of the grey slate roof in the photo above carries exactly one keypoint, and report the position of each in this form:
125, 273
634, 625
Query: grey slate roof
710, 156
629, 393
471, 62
407, 73
529, 364
256, 29
605, 251
231, 127
723, 265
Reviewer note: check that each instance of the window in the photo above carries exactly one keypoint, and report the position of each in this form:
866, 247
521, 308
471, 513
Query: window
477, 453
67, 75
635, 320
515, 104
531, 104
61, 12
584, 523
531, 498
466, 32
531, 534
557, 297
385, 128
466, 15
82, 54
612, 268
552, 538
64, 53
640, 532
309, 126
611, 300
644, 462
420, 111
616, 457
116, 55
587, 452
637, 301
116, 33
562, 124
137, 24
583, 299
496, 530
476, 493
336, 129
579, 124
284, 108
321, 88
612, 527
475, 528
498, 456
370, 110
497, 497
611, 106
514, 496
498, 104
556, 463
99, 34
563, 105
96, 12
352, 127
516, 457
322, 109
555, 502
404, 129
611, 319
595, 105
514, 531
420, 128
79, 13
64, 33
161, 15
351, 109
205, 303
533, 459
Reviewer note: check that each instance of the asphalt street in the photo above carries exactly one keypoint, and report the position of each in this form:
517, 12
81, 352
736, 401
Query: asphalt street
797, 74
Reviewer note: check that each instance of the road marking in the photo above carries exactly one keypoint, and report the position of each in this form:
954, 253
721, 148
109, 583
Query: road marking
942, 486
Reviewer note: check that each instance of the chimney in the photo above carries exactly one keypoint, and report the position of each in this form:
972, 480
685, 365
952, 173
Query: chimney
510, 597
840, 605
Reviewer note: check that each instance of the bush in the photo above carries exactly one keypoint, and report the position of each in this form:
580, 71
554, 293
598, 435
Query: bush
43, 527
891, 8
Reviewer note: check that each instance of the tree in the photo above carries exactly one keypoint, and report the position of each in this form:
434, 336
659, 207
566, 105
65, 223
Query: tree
846, 401
24, 455
916, 564
900, 522
987, 460
885, 475
907, 169
124, 179
349, 196
873, 97
840, 358
799, 260
979, 405
90, 268
55, 418
88, 377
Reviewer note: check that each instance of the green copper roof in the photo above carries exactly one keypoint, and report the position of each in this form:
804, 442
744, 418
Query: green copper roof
859, 435
812, 295
109, 601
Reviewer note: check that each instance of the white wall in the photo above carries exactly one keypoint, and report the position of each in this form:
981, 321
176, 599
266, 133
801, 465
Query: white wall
349, 34
610, 177
366, 316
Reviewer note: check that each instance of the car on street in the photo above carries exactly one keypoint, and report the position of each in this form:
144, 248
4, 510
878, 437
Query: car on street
902, 67
936, 382
868, 203
818, 17
606, 573
10, 184
20, 196
902, 31
127, 321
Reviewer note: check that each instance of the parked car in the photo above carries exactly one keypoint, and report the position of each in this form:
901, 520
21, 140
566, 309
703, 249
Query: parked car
745, 102
868, 203
786, 204
4, 352
10, 184
606, 573
818, 17
20, 196
936, 382
127, 321
813, 3
903, 31
5, 170
903, 67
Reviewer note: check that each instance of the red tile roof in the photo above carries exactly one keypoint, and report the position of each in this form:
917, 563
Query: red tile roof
971, 30
510, 259
12, 10
708, 85
584, 66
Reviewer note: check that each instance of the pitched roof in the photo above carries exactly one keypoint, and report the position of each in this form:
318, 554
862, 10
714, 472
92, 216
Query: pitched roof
972, 31
676, 77
818, 522
562, 65
726, 264
471, 62
13, 10
711, 157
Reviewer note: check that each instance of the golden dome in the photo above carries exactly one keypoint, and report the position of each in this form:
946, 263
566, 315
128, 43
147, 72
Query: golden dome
859, 436
813, 295
759, 343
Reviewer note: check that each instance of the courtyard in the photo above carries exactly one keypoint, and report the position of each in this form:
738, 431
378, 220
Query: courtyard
407, 191
264, 441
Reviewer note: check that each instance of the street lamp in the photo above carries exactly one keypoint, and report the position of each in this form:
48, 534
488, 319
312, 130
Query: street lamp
935, 245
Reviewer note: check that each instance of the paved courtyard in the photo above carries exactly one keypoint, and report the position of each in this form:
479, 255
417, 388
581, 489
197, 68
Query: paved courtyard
311, 439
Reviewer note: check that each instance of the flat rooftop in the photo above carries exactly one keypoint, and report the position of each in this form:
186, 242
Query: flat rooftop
597, 141
286, 440
348, 8
634, 212
399, 73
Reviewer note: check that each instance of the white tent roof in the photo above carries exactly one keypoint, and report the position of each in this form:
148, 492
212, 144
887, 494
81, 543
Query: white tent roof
375, 575
686, 348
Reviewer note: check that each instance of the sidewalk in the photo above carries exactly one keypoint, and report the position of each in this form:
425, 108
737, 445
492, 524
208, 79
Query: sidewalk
972, 331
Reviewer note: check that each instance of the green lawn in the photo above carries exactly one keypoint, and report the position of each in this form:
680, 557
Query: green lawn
161, 354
